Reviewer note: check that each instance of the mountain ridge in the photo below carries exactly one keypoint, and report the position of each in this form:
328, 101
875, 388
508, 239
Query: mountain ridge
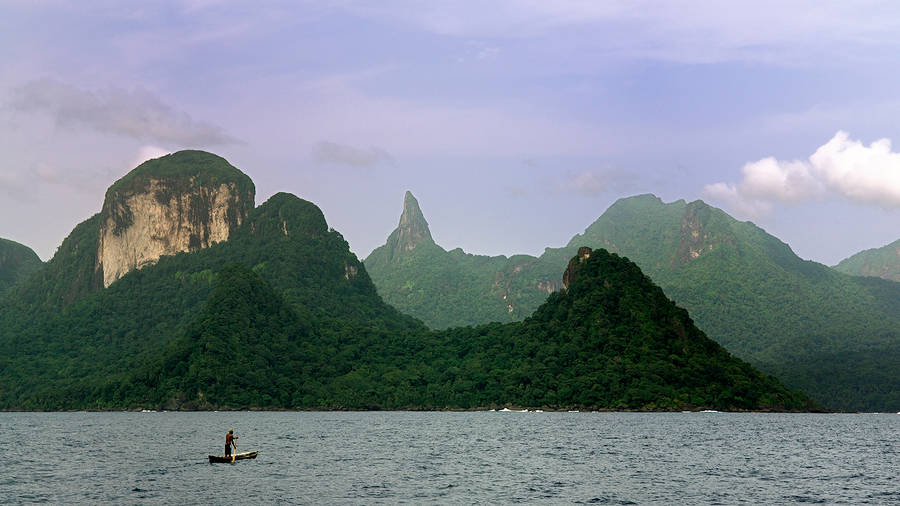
283, 315
883, 262
743, 286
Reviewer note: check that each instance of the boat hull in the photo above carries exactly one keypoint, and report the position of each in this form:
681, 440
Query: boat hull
217, 459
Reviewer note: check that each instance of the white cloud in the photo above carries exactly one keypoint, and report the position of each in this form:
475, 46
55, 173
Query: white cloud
866, 174
137, 114
844, 167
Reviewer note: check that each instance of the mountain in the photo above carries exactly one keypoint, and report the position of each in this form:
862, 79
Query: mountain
17, 262
451, 288
160, 208
183, 201
282, 315
71, 343
881, 262
835, 336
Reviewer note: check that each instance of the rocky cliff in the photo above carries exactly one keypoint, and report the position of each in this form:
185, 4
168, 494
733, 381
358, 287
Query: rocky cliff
181, 202
412, 229
571, 273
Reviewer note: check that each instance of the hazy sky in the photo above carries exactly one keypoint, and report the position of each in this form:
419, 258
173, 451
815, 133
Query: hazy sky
515, 124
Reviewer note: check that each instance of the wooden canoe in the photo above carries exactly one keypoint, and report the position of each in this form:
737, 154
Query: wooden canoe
217, 459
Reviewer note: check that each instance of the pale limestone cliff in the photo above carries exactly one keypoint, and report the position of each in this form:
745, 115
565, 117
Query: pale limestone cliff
166, 218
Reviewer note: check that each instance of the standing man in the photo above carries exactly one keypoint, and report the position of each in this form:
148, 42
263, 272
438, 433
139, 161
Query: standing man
229, 442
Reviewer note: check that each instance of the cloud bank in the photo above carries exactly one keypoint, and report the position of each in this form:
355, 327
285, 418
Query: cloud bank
844, 167
137, 114
699, 31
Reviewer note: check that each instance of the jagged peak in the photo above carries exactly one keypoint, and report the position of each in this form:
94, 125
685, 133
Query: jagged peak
412, 229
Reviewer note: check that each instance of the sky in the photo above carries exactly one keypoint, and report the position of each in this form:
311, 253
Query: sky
514, 123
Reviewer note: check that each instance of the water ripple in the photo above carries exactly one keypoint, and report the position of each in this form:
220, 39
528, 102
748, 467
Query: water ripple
455, 458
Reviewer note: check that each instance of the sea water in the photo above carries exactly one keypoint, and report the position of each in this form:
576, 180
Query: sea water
450, 458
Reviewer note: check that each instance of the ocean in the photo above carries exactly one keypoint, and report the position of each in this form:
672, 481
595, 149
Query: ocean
450, 458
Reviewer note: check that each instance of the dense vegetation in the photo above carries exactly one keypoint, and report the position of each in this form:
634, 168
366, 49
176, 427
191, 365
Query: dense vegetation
283, 315
452, 288
17, 262
612, 341
745, 288
882, 262
442, 288
64, 354
70, 275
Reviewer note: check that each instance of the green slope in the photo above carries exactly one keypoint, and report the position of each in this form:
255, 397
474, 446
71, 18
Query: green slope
81, 355
73, 272
17, 262
451, 288
283, 315
881, 262
835, 336
611, 341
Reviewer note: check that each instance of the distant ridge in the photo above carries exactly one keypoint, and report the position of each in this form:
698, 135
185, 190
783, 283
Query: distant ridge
833, 335
881, 262
450, 288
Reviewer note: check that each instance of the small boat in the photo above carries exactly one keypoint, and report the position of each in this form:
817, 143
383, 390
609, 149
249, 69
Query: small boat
216, 459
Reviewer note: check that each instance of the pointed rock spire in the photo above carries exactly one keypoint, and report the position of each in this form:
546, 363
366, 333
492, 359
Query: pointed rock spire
412, 229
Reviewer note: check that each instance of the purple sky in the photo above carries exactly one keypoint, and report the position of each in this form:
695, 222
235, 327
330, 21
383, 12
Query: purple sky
515, 124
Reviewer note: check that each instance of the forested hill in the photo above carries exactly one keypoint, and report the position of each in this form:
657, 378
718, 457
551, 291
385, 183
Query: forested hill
882, 262
83, 355
283, 315
17, 262
451, 288
833, 335
611, 341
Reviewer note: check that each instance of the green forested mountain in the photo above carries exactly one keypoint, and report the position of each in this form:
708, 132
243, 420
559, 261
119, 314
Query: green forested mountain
611, 341
75, 271
448, 288
833, 335
17, 262
85, 353
283, 315
881, 262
